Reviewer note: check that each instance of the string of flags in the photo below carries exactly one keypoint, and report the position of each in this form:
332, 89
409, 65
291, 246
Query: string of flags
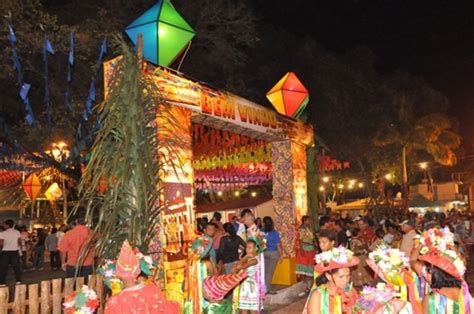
24, 86
70, 64
47, 49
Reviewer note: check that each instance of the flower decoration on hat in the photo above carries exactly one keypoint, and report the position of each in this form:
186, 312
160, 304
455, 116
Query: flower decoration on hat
438, 249
376, 299
260, 242
128, 265
83, 301
388, 264
339, 257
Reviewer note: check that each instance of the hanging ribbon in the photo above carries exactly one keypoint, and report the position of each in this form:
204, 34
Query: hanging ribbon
24, 87
70, 63
47, 49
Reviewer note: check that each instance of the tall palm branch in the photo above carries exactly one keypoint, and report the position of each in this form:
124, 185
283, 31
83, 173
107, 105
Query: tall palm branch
120, 186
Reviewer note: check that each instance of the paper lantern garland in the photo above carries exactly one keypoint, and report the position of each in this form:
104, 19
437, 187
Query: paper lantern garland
289, 96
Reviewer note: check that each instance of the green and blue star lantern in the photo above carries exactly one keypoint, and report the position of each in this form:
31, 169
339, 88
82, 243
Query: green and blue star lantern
165, 33
289, 96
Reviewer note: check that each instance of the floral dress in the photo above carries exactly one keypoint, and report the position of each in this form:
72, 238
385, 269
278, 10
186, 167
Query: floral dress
250, 294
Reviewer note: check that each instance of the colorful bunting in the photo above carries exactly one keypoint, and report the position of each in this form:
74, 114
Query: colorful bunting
289, 96
70, 63
32, 187
165, 33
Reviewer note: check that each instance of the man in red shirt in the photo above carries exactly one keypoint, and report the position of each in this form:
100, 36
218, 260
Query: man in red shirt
72, 246
367, 234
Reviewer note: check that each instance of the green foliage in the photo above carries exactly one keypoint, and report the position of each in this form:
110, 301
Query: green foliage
125, 158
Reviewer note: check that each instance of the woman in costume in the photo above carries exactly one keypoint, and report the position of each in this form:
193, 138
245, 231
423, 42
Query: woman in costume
334, 293
248, 297
305, 251
136, 297
393, 268
443, 268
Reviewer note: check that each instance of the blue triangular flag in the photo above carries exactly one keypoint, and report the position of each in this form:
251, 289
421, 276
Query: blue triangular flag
30, 118
71, 48
25, 89
11, 35
68, 101
47, 46
103, 47
92, 91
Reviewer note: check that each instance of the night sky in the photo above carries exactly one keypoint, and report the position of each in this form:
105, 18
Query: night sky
433, 39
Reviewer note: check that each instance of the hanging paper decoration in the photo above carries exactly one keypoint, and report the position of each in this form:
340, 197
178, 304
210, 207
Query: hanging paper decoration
9, 178
47, 49
326, 163
70, 63
165, 33
32, 187
91, 97
289, 96
53, 193
24, 87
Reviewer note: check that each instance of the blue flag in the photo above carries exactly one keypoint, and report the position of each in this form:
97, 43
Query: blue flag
11, 35
47, 46
71, 48
25, 89
67, 97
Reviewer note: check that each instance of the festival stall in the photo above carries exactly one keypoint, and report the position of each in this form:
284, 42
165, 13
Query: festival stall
226, 142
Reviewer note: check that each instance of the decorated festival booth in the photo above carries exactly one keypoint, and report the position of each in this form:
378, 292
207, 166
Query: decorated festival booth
226, 142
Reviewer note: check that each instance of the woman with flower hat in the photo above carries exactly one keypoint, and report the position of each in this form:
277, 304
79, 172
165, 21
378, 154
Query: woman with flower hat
136, 297
443, 268
334, 293
393, 268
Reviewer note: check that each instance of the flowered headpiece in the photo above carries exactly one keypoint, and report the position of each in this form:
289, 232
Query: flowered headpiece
128, 265
339, 257
109, 270
380, 299
388, 263
438, 249
259, 243
83, 301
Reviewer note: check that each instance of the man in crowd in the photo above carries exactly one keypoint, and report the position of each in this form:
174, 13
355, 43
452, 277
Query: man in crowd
72, 246
408, 240
367, 234
216, 219
10, 243
51, 245
209, 233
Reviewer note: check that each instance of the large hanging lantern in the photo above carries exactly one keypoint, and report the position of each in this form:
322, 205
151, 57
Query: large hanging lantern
165, 33
32, 187
53, 193
289, 96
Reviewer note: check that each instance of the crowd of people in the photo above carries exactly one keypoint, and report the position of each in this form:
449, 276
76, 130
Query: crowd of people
406, 263
26, 251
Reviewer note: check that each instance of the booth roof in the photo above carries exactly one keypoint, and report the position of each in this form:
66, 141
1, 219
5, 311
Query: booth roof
233, 204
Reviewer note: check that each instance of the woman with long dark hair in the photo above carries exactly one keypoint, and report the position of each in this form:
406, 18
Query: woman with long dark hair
273, 253
230, 249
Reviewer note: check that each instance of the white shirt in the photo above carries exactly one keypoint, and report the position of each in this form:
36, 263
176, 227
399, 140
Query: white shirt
241, 232
10, 239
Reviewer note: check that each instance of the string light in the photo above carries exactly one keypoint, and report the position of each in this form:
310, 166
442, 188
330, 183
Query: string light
254, 194
326, 179
361, 185
424, 165
388, 176
321, 188
237, 193
219, 193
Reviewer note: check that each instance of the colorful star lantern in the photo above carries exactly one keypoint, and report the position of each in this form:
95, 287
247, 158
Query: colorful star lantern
53, 193
165, 33
32, 187
289, 96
